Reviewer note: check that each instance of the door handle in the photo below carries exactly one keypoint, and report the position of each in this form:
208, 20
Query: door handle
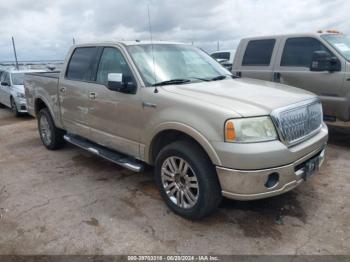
92, 95
276, 77
147, 104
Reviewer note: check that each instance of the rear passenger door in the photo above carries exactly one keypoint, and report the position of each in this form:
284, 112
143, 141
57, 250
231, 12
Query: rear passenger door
257, 60
74, 89
293, 68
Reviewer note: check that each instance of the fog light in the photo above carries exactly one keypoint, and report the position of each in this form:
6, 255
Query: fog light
321, 158
272, 180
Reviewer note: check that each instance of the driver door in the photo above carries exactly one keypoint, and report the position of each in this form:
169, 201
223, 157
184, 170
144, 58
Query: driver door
114, 117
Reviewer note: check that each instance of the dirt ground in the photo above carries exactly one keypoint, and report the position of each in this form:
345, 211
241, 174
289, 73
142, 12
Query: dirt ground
71, 202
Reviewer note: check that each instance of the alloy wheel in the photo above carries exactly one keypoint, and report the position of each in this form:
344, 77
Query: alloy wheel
180, 182
45, 130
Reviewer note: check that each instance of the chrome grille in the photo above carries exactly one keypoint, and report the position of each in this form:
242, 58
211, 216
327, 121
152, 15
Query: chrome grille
299, 121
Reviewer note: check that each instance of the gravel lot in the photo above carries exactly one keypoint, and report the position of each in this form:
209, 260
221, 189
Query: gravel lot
71, 202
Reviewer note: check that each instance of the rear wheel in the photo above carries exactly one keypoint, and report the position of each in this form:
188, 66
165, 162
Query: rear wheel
187, 180
51, 136
14, 108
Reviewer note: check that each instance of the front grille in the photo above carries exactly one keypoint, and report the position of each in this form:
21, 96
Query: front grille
298, 122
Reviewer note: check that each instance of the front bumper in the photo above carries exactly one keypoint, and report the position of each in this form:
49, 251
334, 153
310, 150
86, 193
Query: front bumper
251, 184
21, 105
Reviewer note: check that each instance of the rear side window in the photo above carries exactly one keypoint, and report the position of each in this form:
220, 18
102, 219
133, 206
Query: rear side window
80, 64
298, 51
258, 52
221, 55
6, 77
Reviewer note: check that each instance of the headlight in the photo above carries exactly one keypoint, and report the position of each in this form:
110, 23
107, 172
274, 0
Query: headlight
20, 95
248, 130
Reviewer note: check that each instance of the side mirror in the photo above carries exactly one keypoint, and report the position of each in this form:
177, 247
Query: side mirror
323, 61
115, 81
5, 84
121, 83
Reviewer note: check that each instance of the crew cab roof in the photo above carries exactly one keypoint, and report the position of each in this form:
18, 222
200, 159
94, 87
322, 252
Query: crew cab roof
305, 34
130, 43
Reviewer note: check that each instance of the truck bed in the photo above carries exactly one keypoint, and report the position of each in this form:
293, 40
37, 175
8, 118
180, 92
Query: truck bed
43, 86
53, 74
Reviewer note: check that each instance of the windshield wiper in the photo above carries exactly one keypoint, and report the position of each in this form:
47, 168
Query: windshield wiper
172, 82
202, 79
221, 77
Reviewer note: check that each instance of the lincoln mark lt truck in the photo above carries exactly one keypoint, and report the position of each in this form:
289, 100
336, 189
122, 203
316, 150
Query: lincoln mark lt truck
173, 107
317, 62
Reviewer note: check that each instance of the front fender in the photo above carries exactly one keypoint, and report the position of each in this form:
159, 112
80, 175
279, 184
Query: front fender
190, 131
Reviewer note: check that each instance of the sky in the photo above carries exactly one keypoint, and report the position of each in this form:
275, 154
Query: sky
44, 30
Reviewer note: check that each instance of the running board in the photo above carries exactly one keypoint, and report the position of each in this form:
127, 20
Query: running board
113, 156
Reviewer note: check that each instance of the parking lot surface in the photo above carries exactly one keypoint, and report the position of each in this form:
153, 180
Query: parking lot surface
71, 202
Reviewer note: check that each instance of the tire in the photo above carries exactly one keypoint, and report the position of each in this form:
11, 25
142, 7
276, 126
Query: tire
14, 108
51, 136
204, 199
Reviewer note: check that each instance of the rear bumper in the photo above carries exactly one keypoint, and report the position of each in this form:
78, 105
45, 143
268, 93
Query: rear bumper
251, 184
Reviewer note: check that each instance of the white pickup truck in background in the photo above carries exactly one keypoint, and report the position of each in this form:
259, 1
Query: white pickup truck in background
317, 62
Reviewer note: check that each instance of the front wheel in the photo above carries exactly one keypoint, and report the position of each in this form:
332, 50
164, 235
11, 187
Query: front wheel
187, 180
14, 108
51, 136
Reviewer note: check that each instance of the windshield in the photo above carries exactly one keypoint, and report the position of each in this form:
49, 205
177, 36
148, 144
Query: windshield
174, 62
17, 78
341, 43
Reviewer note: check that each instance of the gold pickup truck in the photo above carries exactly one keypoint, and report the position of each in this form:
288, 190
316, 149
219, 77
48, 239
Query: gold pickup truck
171, 106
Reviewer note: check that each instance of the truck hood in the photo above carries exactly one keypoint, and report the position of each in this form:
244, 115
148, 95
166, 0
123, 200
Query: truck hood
247, 97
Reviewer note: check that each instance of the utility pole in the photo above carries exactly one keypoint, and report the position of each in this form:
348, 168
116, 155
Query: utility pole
73, 41
14, 51
218, 46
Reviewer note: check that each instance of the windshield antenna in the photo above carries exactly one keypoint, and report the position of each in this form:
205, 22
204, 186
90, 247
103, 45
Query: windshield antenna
151, 36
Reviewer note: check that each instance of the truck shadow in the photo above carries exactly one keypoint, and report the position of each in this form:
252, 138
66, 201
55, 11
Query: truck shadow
260, 218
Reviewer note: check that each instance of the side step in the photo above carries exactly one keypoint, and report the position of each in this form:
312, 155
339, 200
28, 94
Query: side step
113, 156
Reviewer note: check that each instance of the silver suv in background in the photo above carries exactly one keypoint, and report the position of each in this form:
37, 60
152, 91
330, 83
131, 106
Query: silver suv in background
174, 107
12, 90
224, 57
317, 62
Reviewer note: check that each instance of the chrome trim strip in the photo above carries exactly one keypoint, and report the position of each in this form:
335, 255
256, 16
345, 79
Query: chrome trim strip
125, 164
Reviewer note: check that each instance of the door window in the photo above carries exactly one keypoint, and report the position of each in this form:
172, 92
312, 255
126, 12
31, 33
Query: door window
80, 65
258, 52
112, 61
6, 78
298, 51
2, 76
